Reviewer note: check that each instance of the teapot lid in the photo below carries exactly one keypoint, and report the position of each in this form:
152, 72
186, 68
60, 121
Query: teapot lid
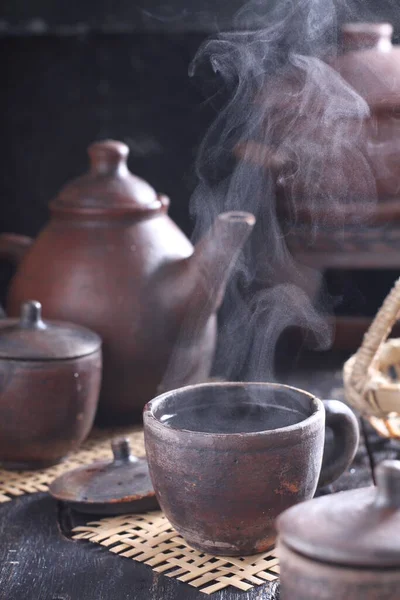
356, 528
370, 63
109, 187
30, 338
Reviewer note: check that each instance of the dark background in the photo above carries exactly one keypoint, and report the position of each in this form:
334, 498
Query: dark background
72, 73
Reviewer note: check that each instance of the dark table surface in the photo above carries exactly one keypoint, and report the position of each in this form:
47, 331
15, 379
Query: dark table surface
39, 561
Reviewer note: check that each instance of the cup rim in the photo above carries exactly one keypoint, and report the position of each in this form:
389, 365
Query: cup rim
148, 411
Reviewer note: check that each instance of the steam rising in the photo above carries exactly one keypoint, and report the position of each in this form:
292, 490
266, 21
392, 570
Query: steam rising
284, 119
281, 109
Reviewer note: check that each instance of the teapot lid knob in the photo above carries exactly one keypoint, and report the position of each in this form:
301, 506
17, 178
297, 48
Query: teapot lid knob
108, 156
31, 315
109, 189
387, 475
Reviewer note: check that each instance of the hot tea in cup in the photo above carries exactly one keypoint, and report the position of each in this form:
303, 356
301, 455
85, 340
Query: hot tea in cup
227, 458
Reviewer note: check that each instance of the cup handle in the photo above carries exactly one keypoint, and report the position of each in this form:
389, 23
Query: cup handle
339, 454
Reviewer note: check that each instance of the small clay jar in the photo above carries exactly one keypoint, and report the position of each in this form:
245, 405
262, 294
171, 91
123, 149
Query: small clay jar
345, 545
50, 375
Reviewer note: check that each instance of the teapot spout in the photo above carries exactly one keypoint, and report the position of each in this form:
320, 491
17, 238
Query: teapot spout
215, 255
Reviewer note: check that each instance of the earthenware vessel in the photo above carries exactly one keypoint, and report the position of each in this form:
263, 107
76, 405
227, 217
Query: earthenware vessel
50, 374
332, 132
227, 458
115, 487
112, 260
345, 545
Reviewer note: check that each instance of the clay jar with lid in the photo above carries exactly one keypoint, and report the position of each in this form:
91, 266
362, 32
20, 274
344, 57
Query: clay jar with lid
50, 374
345, 545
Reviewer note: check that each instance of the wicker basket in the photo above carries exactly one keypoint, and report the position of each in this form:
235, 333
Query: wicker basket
372, 375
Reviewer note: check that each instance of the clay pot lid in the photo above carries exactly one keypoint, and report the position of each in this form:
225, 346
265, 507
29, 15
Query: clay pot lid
117, 487
109, 187
370, 64
31, 338
354, 528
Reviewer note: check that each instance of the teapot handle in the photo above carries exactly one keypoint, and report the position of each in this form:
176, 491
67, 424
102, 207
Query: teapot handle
13, 247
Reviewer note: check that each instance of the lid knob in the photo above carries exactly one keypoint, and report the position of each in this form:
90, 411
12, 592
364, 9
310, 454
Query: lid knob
387, 476
122, 450
31, 315
357, 36
108, 157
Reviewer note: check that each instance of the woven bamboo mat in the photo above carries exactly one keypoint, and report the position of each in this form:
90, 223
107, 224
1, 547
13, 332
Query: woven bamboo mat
150, 539
96, 448
147, 538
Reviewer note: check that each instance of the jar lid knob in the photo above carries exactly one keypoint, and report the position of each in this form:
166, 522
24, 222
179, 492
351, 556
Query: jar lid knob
108, 157
31, 315
121, 449
387, 475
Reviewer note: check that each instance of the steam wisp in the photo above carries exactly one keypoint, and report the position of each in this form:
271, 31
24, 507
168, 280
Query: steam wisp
282, 114
280, 107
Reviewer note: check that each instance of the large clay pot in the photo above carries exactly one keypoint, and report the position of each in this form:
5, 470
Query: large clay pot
371, 65
112, 260
331, 133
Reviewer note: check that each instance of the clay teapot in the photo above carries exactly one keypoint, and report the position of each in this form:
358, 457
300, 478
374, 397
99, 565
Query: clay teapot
345, 545
112, 260
331, 132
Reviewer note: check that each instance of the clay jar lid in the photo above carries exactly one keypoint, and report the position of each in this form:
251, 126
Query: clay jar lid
109, 187
358, 528
120, 486
370, 63
30, 338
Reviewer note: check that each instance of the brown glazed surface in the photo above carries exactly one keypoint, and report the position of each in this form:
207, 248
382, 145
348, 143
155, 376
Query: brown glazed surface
305, 579
223, 492
112, 260
46, 408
